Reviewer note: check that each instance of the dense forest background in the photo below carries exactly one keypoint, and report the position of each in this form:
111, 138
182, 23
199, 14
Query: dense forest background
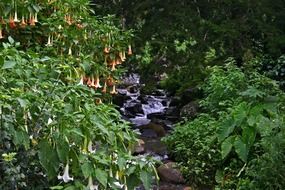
183, 38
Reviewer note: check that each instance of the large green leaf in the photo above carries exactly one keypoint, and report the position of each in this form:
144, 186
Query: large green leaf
227, 146
62, 149
48, 158
241, 149
86, 169
226, 129
101, 176
146, 179
9, 64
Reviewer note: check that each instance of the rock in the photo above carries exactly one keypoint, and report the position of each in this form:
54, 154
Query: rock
155, 146
175, 101
150, 133
157, 128
143, 99
172, 111
190, 110
135, 108
164, 102
154, 116
190, 94
139, 147
169, 173
133, 89
159, 92
120, 99
169, 186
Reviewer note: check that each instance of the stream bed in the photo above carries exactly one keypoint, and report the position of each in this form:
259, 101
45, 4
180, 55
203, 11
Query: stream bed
153, 115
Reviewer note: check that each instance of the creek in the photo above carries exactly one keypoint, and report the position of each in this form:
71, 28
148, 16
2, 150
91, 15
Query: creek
153, 115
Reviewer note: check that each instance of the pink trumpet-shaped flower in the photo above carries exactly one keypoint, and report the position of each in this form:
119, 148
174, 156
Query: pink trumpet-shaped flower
65, 177
1, 35
97, 83
113, 90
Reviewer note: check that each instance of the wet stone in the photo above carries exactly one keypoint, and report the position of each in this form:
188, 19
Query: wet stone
170, 173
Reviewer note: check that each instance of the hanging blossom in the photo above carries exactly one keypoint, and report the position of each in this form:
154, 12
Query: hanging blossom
65, 177
90, 147
90, 185
81, 82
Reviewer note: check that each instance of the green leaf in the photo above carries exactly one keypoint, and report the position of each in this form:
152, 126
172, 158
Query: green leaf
226, 129
9, 64
48, 158
62, 149
11, 40
132, 181
145, 178
56, 187
248, 135
227, 146
21, 138
86, 169
241, 149
23, 103
121, 163
101, 176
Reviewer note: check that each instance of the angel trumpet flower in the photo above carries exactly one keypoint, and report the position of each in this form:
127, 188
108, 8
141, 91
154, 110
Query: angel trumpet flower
90, 147
81, 81
130, 52
89, 82
90, 185
32, 20
49, 41
104, 90
92, 83
97, 83
113, 90
23, 23
69, 51
118, 61
65, 177
107, 49
12, 22
2, 21
98, 101
36, 17
1, 36
16, 17
122, 55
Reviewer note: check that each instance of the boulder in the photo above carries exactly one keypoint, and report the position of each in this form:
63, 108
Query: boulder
190, 94
170, 173
133, 89
154, 116
120, 99
169, 186
149, 133
155, 146
175, 101
135, 108
139, 147
157, 128
190, 110
143, 99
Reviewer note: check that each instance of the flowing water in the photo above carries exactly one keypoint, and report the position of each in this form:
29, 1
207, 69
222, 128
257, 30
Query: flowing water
147, 113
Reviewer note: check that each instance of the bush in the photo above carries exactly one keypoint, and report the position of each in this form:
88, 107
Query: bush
198, 155
246, 115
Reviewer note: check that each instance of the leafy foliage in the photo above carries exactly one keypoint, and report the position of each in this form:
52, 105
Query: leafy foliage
245, 110
55, 131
